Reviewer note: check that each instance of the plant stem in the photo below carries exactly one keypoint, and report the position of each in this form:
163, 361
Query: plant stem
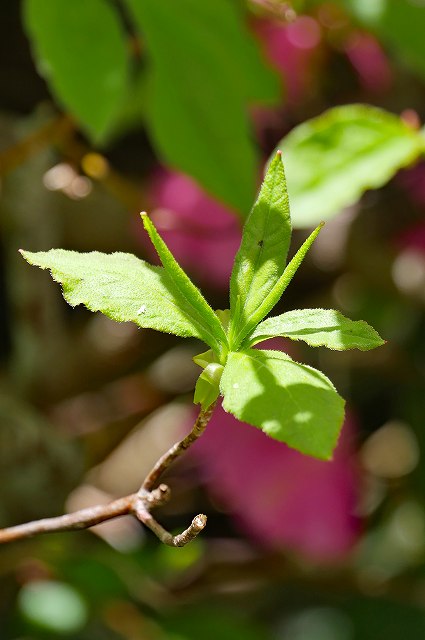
177, 449
137, 504
82, 519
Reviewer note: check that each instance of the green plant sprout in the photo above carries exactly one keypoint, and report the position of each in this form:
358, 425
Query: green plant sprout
291, 402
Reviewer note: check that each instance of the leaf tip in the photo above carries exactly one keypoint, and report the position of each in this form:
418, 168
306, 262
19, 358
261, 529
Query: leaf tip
146, 220
279, 153
24, 254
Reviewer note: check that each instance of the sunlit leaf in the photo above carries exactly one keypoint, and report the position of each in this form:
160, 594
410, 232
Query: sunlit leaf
121, 286
189, 296
207, 387
267, 304
261, 258
291, 402
319, 327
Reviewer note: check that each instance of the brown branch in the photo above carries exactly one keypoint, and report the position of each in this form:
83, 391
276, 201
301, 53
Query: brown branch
275, 9
59, 131
59, 128
180, 540
137, 504
176, 450
82, 519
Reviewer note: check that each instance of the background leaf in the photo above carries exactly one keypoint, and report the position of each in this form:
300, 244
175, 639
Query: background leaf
82, 51
319, 327
290, 402
201, 56
331, 160
261, 258
54, 606
119, 285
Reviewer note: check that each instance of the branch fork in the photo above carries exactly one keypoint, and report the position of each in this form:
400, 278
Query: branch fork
137, 504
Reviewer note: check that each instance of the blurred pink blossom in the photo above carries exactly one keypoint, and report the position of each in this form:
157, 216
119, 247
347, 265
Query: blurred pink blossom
413, 181
414, 238
203, 235
292, 49
369, 60
280, 497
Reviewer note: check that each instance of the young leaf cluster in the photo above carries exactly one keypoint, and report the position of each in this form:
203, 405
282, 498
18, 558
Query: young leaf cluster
289, 401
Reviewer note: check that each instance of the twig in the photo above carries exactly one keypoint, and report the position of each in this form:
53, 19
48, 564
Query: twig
59, 128
60, 132
82, 519
176, 450
137, 504
180, 540
277, 9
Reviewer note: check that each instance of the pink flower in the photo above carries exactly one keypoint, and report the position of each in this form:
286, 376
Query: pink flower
280, 497
369, 60
413, 181
292, 49
413, 238
202, 234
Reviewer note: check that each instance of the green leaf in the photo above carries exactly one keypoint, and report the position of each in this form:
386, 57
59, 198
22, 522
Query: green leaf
204, 70
122, 287
400, 23
205, 358
188, 296
207, 387
274, 295
261, 258
289, 401
319, 327
82, 51
56, 607
331, 160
